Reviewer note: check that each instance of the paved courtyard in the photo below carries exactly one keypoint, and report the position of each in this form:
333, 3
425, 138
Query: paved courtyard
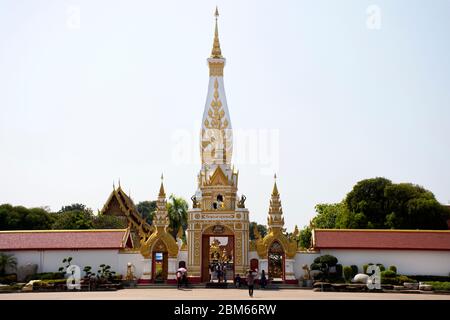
217, 294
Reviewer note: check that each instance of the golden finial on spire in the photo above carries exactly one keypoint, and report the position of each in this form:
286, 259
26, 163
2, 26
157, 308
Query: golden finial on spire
161, 189
275, 188
296, 232
216, 14
216, 52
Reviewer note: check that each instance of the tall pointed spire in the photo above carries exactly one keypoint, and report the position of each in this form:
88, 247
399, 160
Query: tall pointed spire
162, 193
216, 144
216, 52
275, 220
161, 219
275, 188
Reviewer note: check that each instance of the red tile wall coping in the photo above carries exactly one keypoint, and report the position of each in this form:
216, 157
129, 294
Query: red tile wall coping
381, 239
63, 239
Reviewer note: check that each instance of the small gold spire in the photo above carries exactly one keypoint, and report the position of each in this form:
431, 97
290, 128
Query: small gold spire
296, 232
216, 52
161, 189
275, 189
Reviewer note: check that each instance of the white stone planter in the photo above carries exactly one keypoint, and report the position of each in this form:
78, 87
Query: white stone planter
411, 285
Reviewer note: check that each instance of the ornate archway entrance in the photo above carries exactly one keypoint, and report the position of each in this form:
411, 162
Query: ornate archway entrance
218, 250
276, 258
160, 265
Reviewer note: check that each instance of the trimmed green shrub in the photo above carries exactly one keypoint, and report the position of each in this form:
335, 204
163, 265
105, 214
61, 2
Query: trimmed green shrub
364, 267
348, 273
46, 276
339, 270
393, 268
388, 273
8, 279
354, 270
382, 268
389, 277
437, 285
327, 259
48, 283
430, 278
315, 266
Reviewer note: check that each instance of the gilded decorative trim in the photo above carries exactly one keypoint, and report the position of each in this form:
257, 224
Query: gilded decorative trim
216, 69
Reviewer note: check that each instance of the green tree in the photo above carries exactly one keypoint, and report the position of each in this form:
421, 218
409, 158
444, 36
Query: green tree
37, 219
262, 229
305, 238
108, 222
21, 218
379, 204
147, 210
75, 207
413, 207
7, 261
368, 198
328, 215
74, 220
177, 208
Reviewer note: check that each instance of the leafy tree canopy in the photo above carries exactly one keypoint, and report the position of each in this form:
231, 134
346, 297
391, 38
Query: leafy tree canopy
262, 229
147, 210
108, 222
305, 238
21, 218
177, 208
378, 203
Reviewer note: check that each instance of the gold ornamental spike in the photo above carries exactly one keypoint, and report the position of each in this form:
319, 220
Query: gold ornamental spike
275, 188
161, 189
216, 52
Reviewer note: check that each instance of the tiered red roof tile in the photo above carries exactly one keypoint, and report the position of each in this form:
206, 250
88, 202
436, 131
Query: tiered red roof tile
381, 239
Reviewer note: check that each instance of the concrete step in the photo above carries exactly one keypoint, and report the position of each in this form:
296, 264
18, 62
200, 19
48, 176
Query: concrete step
219, 286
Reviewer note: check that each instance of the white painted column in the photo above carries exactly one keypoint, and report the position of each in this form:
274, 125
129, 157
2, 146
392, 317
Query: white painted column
146, 269
289, 269
172, 268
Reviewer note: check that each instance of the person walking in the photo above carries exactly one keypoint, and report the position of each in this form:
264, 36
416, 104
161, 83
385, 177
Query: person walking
263, 281
237, 281
250, 283
185, 279
210, 272
179, 279
225, 274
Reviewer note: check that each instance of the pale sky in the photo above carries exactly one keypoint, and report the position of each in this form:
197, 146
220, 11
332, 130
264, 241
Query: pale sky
93, 91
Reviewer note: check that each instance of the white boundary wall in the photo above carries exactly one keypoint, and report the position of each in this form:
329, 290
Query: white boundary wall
408, 262
51, 260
